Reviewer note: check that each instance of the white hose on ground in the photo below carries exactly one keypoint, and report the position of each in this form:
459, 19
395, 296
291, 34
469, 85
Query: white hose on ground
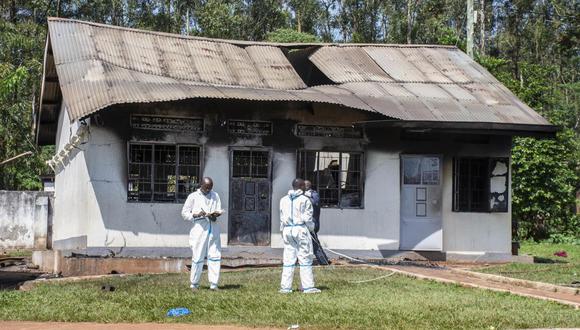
348, 257
361, 261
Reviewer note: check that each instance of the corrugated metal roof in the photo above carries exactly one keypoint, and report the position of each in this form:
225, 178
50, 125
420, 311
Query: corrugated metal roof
100, 65
348, 64
394, 62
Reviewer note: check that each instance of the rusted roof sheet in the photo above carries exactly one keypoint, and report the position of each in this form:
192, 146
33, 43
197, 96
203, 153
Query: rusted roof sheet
439, 102
348, 64
99, 65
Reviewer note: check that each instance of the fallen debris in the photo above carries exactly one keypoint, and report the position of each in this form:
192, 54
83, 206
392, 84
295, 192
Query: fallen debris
11, 261
561, 254
108, 288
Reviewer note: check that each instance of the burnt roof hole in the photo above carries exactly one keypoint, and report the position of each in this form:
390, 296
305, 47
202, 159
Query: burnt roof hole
309, 73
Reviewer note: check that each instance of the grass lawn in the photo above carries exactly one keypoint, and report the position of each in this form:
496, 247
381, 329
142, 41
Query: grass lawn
250, 297
16, 253
548, 268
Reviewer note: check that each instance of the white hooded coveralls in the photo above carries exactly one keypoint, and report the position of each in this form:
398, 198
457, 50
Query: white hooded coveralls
204, 237
296, 222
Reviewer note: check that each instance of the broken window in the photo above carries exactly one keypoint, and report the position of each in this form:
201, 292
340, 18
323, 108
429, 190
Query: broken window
337, 176
162, 173
480, 185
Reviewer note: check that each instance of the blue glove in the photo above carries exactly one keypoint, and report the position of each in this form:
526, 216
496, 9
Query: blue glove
180, 311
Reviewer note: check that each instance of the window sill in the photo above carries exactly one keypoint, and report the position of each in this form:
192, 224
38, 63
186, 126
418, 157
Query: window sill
490, 212
154, 202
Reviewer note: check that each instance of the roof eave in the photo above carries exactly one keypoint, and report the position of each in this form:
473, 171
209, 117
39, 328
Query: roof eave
45, 132
531, 130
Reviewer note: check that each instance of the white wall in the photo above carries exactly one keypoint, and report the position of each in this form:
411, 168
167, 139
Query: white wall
72, 187
283, 172
113, 221
95, 206
376, 226
24, 217
103, 214
476, 231
473, 231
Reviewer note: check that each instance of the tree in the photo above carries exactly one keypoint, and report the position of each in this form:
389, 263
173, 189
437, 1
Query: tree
545, 172
532, 46
19, 76
220, 19
290, 36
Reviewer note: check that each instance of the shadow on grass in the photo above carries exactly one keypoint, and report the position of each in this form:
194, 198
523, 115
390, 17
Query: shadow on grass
542, 260
231, 286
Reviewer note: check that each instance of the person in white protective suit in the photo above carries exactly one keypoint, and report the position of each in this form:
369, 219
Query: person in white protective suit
203, 207
296, 223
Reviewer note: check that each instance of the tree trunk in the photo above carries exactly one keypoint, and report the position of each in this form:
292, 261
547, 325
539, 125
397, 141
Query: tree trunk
13, 11
482, 29
470, 28
578, 202
187, 22
409, 21
298, 22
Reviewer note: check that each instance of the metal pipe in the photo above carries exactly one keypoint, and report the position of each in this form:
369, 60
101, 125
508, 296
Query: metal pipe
16, 157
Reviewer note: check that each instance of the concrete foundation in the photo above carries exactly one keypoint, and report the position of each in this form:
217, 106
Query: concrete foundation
488, 257
69, 263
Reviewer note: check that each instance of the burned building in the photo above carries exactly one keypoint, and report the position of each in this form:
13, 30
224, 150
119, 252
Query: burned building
408, 145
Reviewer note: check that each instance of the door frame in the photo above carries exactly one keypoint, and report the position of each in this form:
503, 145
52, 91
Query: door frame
401, 183
231, 150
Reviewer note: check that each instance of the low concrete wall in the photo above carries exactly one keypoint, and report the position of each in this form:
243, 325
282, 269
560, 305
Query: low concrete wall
25, 218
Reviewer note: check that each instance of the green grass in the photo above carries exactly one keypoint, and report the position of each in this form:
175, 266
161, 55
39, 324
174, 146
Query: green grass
16, 253
548, 268
250, 297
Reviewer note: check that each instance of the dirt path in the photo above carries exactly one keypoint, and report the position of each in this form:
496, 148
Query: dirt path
473, 280
18, 325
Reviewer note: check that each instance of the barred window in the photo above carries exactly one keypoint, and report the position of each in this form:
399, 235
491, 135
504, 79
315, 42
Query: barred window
480, 184
337, 176
162, 172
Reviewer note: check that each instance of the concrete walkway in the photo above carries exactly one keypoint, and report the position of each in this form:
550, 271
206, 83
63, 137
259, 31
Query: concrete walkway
25, 325
563, 295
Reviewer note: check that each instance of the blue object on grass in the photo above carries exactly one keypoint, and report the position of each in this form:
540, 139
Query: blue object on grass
180, 311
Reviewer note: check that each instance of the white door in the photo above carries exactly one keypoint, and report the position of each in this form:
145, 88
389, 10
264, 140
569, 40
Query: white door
421, 203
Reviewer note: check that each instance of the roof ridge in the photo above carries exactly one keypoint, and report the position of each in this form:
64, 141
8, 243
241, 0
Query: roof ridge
247, 43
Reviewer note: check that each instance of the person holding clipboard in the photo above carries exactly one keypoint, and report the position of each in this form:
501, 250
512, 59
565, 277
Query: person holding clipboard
203, 207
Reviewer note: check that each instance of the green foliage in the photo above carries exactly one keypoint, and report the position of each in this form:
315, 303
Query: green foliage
264, 16
220, 19
545, 172
19, 77
306, 15
547, 267
544, 183
289, 36
564, 239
